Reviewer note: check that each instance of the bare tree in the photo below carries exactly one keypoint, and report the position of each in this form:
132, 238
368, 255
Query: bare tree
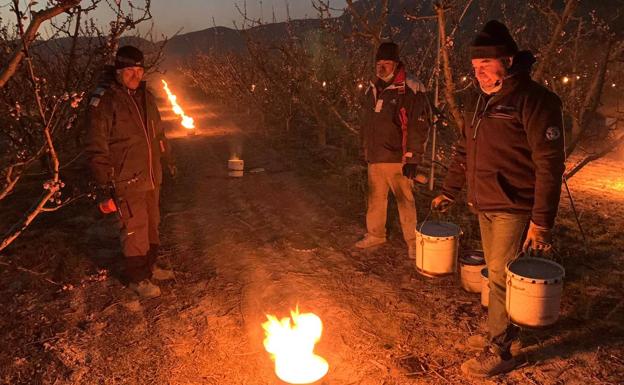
44, 84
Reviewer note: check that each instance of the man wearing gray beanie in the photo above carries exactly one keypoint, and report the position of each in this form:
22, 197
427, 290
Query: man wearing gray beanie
511, 159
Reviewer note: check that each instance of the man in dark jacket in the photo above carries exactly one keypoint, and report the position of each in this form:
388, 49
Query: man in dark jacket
394, 129
511, 157
124, 147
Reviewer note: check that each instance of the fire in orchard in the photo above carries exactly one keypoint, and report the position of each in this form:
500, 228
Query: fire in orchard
187, 121
291, 343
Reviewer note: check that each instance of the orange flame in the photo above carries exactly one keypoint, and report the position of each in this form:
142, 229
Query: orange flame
187, 121
292, 347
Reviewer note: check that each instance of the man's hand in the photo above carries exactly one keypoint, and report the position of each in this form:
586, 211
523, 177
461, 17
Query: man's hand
442, 203
410, 170
538, 238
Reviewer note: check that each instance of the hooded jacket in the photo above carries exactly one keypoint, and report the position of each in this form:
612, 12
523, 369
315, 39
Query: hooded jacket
511, 155
395, 121
125, 139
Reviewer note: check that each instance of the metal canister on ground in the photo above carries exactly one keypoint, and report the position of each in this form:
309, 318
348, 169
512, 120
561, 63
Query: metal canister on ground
470, 265
236, 168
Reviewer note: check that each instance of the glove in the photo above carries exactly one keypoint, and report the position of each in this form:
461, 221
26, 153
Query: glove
442, 203
538, 238
410, 170
107, 206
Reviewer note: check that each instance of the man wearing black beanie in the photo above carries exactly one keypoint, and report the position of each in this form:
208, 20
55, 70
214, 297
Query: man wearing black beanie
124, 147
395, 125
511, 158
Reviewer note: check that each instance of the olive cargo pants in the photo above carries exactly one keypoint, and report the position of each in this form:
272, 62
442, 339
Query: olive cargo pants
138, 232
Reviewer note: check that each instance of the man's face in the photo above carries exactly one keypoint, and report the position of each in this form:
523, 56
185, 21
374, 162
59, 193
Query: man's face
130, 77
385, 68
490, 73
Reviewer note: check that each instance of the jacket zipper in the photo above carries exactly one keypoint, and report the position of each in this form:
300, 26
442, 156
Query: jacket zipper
474, 155
149, 147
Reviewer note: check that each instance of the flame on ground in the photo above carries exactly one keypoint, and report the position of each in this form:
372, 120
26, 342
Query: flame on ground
291, 345
187, 121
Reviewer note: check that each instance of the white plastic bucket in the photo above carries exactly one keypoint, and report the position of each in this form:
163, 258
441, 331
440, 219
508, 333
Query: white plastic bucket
470, 265
437, 245
236, 168
534, 287
485, 287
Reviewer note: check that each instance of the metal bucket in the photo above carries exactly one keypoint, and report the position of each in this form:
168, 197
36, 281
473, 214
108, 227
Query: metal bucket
534, 287
437, 245
236, 168
470, 265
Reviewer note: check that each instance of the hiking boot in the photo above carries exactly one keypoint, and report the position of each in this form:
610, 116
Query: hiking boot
369, 241
477, 343
145, 289
488, 363
161, 274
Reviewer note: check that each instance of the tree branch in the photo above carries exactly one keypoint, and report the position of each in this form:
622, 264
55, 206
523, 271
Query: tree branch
29, 36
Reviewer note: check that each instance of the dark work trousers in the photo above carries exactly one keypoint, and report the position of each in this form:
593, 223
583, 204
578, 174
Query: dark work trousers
138, 231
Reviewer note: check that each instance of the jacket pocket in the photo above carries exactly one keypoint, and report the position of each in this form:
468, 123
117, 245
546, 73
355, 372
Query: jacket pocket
489, 193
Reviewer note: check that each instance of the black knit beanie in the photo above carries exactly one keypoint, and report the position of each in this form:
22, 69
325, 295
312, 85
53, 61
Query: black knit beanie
493, 41
388, 51
128, 56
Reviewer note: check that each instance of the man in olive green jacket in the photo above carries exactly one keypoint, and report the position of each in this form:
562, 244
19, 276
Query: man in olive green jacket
125, 146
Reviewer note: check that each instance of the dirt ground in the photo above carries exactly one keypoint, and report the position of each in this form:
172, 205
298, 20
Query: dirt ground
277, 238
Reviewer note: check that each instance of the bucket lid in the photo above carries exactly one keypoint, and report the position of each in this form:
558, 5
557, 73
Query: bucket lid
538, 270
439, 229
472, 258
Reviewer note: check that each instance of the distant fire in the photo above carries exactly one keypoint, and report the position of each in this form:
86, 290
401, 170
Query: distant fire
291, 345
618, 186
187, 121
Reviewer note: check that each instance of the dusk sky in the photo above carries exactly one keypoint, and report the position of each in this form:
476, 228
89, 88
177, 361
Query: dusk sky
193, 15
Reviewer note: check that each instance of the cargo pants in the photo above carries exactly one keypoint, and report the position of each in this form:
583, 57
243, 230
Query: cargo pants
501, 237
138, 232
384, 177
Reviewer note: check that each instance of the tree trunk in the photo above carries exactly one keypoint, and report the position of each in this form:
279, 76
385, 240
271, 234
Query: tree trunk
449, 83
548, 54
592, 99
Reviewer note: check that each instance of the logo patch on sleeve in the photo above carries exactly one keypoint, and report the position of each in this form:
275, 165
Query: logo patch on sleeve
553, 133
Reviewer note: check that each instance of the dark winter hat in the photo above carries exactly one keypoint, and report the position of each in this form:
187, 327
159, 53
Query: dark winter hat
493, 41
128, 56
387, 51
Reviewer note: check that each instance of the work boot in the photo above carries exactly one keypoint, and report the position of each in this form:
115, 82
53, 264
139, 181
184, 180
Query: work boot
369, 241
145, 289
160, 274
477, 343
489, 363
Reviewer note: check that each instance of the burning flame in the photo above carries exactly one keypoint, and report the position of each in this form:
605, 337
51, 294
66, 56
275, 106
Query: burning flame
292, 347
187, 121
